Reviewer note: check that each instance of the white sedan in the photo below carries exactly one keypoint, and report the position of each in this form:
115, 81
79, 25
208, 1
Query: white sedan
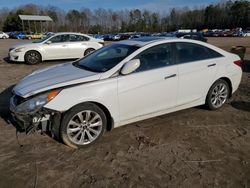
58, 46
3, 35
122, 83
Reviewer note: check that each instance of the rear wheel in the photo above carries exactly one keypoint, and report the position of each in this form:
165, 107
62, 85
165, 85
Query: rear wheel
32, 57
83, 125
217, 95
88, 51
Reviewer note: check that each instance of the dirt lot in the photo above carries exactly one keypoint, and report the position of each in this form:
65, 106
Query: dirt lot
189, 148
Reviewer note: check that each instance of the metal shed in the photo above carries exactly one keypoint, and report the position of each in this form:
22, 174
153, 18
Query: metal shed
35, 18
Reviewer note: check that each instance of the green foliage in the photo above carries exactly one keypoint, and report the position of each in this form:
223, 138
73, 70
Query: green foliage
96, 29
229, 14
12, 22
240, 14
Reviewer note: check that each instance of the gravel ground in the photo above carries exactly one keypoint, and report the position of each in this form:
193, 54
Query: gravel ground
190, 148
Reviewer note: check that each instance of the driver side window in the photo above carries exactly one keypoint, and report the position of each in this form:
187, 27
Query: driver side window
156, 57
60, 38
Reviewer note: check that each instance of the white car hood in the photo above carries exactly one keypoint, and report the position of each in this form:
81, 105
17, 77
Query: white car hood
53, 77
25, 44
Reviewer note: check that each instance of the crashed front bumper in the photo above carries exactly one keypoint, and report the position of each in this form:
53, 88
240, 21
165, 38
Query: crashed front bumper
40, 120
31, 122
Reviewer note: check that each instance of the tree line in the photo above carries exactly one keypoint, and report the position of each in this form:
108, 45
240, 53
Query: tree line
224, 15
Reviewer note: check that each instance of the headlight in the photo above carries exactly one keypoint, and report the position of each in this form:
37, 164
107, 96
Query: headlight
19, 49
36, 103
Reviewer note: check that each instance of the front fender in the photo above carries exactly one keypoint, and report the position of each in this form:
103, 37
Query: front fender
102, 91
38, 49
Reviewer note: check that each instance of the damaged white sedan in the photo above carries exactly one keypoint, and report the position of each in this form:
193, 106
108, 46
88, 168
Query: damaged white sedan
122, 83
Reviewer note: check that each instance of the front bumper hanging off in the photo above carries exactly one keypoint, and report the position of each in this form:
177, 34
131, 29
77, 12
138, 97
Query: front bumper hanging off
44, 120
32, 122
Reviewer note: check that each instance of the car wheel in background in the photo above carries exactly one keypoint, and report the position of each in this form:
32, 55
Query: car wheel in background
83, 125
88, 51
32, 57
4, 37
217, 95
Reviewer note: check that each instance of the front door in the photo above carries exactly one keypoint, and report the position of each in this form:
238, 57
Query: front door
58, 48
152, 87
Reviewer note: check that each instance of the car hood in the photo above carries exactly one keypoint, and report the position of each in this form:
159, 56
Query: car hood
26, 44
53, 77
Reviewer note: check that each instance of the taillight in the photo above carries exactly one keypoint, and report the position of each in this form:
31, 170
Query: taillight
238, 62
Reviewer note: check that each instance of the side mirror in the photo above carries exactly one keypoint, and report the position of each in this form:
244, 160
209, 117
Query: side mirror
48, 42
130, 66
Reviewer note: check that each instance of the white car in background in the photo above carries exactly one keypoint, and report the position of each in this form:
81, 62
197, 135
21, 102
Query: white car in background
246, 34
58, 46
3, 35
124, 82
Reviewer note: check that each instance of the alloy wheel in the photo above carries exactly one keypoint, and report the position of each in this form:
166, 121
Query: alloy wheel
84, 127
219, 95
33, 58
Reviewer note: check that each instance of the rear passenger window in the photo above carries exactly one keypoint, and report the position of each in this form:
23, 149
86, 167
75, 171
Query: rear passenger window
155, 57
187, 37
77, 38
188, 52
195, 37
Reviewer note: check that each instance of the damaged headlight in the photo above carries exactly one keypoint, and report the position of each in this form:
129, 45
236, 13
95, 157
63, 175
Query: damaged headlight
34, 104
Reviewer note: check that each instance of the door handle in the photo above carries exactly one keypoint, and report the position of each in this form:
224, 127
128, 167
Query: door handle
170, 76
64, 45
211, 65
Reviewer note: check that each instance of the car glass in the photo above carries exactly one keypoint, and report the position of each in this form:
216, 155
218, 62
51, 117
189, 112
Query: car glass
106, 58
59, 38
156, 57
188, 52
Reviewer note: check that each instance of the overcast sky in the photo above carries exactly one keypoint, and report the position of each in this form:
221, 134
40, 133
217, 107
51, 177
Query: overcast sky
154, 5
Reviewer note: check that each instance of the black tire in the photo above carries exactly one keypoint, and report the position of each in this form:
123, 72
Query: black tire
70, 115
211, 96
88, 51
32, 57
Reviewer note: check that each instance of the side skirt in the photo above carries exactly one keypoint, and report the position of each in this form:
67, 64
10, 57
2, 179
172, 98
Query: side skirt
159, 113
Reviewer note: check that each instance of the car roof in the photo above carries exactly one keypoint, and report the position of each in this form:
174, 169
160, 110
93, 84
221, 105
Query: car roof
66, 33
142, 41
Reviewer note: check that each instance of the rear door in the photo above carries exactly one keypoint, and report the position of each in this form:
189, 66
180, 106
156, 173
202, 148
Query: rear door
197, 67
77, 45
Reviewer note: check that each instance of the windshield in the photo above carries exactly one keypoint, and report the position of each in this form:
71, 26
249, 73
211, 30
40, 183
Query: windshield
42, 39
106, 58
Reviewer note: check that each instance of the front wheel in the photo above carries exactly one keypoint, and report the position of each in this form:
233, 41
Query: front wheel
83, 125
217, 95
32, 57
